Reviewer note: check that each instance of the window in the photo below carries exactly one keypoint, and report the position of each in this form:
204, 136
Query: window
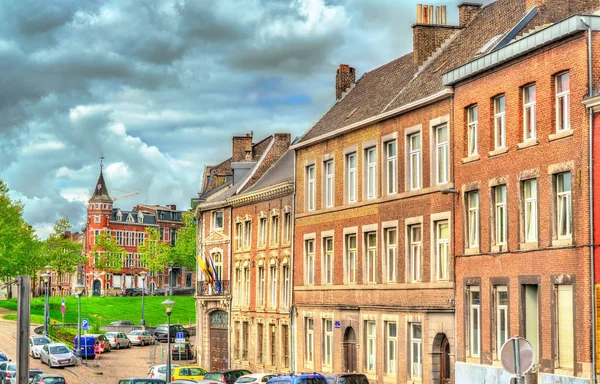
371, 346
529, 123
311, 188
285, 358
96, 219
564, 325
530, 210
245, 340
310, 340
391, 254
218, 261
273, 290
238, 287
247, 234
262, 231
351, 259
259, 342
474, 321
500, 214
414, 161
140, 238
287, 227
563, 205
272, 346
499, 122
246, 287
240, 235
532, 318
286, 286
239, 340
310, 261
442, 247
371, 159
442, 154
328, 260
371, 257
391, 346
129, 261
501, 317
329, 183
473, 219
472, 116
218, 220
260, 298
328, 342
120, 237
391, 165
351, 182
415, 254
416, 351
274, 229
563, 87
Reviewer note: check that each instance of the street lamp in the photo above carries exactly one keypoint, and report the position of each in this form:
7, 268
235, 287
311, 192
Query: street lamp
143, 275
168, 304
45, 277
79, 288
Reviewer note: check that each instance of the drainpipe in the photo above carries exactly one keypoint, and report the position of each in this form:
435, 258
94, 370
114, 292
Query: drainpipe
292, 305
230, 259
591, 192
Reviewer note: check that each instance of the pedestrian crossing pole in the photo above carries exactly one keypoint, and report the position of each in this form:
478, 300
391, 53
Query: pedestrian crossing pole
23, 329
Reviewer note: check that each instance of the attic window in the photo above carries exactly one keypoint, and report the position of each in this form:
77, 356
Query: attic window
130, 218
140, 217
488, 45
119, 216
351, 112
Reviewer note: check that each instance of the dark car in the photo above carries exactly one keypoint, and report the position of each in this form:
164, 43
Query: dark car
346, 378
160, 333
142, 380
310, 378
33, 372
182, 351
3, 357
48, 378
121, 323
132, 292
159, 292
228, 376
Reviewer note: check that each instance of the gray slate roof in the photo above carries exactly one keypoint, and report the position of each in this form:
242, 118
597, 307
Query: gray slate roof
280, 172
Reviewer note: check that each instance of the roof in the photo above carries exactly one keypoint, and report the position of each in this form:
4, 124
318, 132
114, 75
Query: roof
147, 218
280, 172
100, 191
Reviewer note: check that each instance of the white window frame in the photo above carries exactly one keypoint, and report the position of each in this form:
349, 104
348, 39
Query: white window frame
565, 329
500, 214
260, 276
415, 252
391, 164
415, 178
442, 251
329, 171
327, 342
351, 177
529, 116
472, 122
273, 286
309, 251
274, 238
391, 348
246, 271
328, 247
501, 318
472, 219
562, 98
239, 229
247, 234
499, 122
442, 154
391, 254
351, 258
530, 217
416, 351
262, 232
474, 321
371, 346
310, 340
311, 188
371, 173
215, 220
285, 294
564, 207
370, 258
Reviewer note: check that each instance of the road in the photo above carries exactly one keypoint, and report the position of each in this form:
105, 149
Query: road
113, 366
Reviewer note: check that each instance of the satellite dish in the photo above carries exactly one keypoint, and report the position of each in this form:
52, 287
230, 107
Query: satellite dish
516, 356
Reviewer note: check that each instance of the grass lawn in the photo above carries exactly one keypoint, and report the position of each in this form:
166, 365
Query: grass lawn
103, 310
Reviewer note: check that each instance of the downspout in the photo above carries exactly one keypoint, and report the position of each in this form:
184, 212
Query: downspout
453, 213
230, 259
591, 192
200, 319
292, 306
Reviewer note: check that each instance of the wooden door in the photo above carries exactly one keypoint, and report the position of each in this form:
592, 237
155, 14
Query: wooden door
445, 361
218, 348
350, 350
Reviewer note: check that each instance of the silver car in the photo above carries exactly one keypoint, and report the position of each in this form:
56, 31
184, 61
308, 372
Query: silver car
160, 371
57, 355
118, 340
8, 372
35, 345
141, 338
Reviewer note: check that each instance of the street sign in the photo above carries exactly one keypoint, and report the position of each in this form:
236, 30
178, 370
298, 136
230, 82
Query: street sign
338, 324
63, 301
84, 324
179, 337
63, 309
516, 356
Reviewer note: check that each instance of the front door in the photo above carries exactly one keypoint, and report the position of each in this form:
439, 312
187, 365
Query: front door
97, 288
349, 350
219, 348
445, 361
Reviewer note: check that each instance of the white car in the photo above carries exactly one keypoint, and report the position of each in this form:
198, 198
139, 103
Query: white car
57, 355
9, 372
142, 338
36, 343
118, 340
160, 371
255, 378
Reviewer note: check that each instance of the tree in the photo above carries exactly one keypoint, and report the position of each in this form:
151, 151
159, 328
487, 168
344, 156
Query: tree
61, 252
154, 253
107, 253
184, 251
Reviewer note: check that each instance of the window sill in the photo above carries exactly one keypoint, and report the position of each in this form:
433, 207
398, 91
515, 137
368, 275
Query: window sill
528, 246
503, 248
498, 151
528, 144
560, 135
472, 251
562, 242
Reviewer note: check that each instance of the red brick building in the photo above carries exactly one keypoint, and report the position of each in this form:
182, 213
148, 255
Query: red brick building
521, 168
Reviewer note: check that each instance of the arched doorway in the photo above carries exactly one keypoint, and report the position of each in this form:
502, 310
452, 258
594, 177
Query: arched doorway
219, 349
441, 360
152, 287
97, 288
349, 350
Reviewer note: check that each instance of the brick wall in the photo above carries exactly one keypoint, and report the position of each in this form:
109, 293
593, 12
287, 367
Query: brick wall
427, 38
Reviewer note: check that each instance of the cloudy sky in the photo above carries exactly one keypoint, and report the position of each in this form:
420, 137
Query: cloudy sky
159, 87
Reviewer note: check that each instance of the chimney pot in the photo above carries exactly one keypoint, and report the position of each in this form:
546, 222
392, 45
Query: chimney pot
344, 79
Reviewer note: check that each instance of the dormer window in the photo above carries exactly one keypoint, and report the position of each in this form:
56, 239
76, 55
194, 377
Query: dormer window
140, 217
130, 218
119, 215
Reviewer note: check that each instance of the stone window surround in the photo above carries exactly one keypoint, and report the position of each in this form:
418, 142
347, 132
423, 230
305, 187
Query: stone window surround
383, 156
434, 218
433, 124
407, 132
492, 184
409, 221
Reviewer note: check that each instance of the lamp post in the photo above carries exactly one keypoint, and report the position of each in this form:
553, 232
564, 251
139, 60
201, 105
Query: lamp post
79, 288
45, 277
143, 275
168, 304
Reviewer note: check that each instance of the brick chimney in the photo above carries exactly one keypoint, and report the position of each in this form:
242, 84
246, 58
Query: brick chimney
242, 148
344, 79
430, 31
467, 11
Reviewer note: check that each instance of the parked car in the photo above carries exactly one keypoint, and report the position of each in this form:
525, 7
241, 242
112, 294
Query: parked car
142, 380
87, 346
141, 338
160, 333
35, 345
48, 378
133, 292
57, 355
121, 323
182, 351
3, 357
118, 340
159, 292
255, 378
33, 372
187, 372
103, 340
310, 378
346, 378
160, 371
8, 372
228, 376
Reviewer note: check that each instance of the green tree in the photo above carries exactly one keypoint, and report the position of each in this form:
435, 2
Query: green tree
154, 253
107, 253
184, 252
61, 252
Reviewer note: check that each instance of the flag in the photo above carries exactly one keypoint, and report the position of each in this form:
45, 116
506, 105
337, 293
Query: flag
204, 268
217, 278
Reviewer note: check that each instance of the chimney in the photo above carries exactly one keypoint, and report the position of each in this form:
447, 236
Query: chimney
242, 148
344, 79
466, 12
430, 31
172, 206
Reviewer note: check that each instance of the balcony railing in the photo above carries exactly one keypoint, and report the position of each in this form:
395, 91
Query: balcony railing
204, 288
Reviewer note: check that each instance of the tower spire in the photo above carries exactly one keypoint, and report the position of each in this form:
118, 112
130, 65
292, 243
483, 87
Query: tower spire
100, 191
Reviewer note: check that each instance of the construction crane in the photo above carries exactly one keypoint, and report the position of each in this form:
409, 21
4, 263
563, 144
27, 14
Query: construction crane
125, 196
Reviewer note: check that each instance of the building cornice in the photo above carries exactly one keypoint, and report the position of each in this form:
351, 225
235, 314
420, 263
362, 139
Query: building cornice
268, 193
